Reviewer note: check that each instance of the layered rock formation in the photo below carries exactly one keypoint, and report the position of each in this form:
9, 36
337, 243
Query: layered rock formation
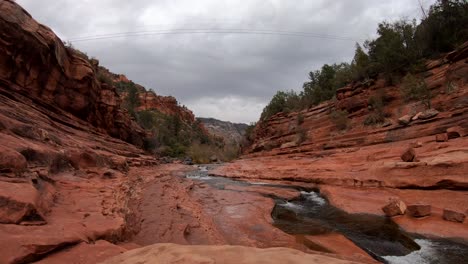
149, 100
36, 64
360, 168
62, 175
71, 191
164, 104
230, 132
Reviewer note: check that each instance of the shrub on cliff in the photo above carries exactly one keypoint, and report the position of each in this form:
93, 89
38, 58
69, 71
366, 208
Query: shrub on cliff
249, 135
281, 102
377, 105
340, 119
131, 99
395, 49
399, 48
415, 88
444, 28
324, 83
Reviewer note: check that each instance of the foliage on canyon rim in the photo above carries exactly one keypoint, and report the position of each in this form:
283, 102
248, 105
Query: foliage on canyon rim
399, 49
171, 136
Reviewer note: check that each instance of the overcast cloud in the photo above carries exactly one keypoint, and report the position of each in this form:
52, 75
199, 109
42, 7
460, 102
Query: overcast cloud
225, 76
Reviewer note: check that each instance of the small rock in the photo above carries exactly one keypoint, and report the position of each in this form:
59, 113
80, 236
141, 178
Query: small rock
394, 208
453, 216
442, 137
416, 117
428, 114
404, 120
409, 155
419, 210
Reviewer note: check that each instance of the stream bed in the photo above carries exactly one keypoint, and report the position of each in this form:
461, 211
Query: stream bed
380, 237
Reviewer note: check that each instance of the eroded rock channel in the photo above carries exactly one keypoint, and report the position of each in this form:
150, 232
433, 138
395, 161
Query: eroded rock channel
217, 210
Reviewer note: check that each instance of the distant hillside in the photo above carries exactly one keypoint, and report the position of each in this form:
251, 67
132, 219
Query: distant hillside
230, 132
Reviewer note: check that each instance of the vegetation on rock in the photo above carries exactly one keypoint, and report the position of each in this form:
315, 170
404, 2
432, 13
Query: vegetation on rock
398, 51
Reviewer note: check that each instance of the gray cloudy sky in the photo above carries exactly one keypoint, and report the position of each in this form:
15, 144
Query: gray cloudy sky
226, 76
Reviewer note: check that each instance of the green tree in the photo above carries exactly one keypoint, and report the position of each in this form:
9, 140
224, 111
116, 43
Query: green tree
444, 28
281, 102
324, 83
360, 64
395, 49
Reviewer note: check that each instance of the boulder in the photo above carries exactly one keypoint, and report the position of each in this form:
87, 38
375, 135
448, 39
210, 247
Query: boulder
18, 203
442, 137
394, 208
11, 160
409, 155
454, 216
455, 132
428, 114
404, 120
419, 210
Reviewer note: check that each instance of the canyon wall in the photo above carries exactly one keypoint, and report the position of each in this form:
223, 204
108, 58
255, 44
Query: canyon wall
315, 129
35, 63
230, 132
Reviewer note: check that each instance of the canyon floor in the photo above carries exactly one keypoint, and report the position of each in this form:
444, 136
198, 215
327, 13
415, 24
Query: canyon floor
77, 187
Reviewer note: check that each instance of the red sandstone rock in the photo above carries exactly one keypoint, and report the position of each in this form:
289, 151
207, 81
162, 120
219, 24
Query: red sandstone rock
18, 202
419, 210
172, 254
428, 114
59, 77
409, 155
394, 208
453, 216
416, 117
11, 160
85, 253
337, 244
442, 137
404, 120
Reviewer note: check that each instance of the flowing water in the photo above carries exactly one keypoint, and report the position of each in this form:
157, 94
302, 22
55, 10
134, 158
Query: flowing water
380, 237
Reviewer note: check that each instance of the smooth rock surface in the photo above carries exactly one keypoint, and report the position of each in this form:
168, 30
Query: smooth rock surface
172, 254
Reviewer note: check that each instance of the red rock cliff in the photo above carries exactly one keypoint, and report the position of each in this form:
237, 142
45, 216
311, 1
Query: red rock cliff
447, 79
35, 63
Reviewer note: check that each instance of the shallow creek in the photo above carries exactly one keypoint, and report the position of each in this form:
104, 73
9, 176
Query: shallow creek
380, 237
